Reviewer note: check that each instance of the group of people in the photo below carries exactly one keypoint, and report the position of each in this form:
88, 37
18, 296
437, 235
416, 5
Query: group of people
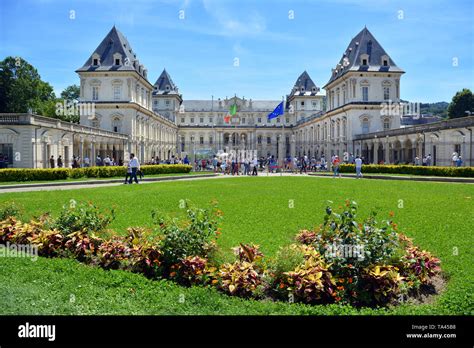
425, 160
457, 160
56, 163
233, 166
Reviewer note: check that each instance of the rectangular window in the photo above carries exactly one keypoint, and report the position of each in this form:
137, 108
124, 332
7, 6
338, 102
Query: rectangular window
96, 61
259, 139
386, 93
365, 93
201, 140
302, 103
259, 120
201, 120
243, 120
278, 119
117, 61
95, 92
182, 119
210, 140
192, 119
117, 93
211, 119
269, 140
167, 102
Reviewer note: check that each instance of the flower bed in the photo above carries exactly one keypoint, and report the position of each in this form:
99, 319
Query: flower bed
25, 174
344, 260
412, 170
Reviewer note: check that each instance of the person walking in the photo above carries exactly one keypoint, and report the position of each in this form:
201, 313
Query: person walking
335, 166
358, 167
428, 160
255, 166
455, 159
60, 162
51, 161
459, 162
135, 167
128, 175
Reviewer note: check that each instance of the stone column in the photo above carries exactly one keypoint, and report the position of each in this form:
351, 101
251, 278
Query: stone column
93, 155
387, 152
81, 149
376, 152
292, 145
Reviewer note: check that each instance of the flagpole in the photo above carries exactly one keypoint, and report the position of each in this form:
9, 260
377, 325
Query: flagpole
282, 136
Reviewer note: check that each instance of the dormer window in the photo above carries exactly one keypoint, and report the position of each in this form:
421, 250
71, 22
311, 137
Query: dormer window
302, 89
95, 59
167, 87
364, 59
313, 89
117, 59
385, 62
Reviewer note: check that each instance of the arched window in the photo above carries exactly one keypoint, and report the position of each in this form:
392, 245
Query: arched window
365, 125
116, 125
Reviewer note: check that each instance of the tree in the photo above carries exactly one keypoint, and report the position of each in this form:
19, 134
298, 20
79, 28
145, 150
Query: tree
21, 88
463, 101
71, 93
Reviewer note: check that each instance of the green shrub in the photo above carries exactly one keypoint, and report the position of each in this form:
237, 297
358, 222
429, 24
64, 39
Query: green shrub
25, 174
9, 209
81, 217
194, 235
20, 174
412, 170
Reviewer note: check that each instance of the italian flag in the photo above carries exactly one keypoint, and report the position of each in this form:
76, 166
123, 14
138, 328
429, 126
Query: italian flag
232, 112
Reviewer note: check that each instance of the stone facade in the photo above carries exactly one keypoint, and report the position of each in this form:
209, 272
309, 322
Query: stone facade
358, 114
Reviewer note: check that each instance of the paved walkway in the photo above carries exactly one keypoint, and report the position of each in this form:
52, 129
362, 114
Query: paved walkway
206, 176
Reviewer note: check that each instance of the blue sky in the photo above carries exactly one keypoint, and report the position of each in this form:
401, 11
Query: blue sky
423, 37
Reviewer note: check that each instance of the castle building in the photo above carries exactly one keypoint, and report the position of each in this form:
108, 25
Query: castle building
115, 81
359, 113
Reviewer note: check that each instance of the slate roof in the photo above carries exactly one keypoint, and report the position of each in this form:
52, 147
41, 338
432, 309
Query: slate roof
163, 81
114, 42
363, 43
304, 82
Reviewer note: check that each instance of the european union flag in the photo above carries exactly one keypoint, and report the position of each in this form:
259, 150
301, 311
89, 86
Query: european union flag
277, 112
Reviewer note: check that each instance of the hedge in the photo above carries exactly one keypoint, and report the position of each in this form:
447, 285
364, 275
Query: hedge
25, 174
413, 170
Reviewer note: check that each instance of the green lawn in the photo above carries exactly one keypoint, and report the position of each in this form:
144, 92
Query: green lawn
85, 180
439, 216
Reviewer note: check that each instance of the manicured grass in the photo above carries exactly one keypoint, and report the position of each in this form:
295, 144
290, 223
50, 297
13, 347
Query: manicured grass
263, 210
94, 179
